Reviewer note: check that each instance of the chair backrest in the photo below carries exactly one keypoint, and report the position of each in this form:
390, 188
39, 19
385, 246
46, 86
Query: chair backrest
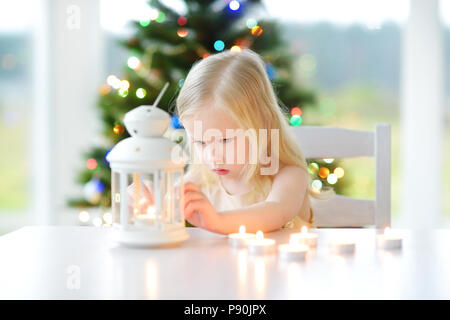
332, 142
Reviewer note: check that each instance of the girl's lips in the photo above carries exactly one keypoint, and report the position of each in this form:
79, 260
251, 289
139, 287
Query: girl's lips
221, 171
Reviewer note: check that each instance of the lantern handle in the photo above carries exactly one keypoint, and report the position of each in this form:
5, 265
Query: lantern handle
155, 104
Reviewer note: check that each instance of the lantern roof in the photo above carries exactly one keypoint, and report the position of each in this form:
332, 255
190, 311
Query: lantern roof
146, 149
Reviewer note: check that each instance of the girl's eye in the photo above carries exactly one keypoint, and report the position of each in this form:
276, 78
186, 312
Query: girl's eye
199, 143
226, 140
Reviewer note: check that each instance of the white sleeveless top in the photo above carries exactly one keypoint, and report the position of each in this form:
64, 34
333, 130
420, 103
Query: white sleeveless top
222, 200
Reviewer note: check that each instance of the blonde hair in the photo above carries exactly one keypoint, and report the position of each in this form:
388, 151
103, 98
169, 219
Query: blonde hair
239, 83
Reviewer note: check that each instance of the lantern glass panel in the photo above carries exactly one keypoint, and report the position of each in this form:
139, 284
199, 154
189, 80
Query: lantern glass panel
178, 197
115, 196
142, 198
169, 197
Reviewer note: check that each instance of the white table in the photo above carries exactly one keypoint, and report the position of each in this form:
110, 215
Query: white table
83, 263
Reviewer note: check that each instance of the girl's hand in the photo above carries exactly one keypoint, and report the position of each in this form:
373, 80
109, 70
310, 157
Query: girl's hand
198, 210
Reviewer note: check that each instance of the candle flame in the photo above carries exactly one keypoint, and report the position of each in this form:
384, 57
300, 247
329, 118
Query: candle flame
387, 230
304, 229
259, 235
242, 229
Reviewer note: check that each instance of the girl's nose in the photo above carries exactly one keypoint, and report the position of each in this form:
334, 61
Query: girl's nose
214, 153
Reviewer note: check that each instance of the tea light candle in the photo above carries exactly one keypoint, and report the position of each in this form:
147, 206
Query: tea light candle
342, 247
259, 245
240, 239
146, 219
307, 238
388, 241
294, 250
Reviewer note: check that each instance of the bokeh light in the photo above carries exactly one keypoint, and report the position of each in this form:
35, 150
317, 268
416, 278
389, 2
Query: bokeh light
295, 121
324, 172
219, 45
84, 216
181, 21
313, 167
235, 49
234, 5
271, 71
256, 31
113, 81
107, 218
154, 13
251, 23
161, 17
118, 129
144, 22
134, 63
141, 93
104, 89
124, 85
316, 184
328, 160
339, 172
332, 179
296, 111
182, 32
91, 164
123, 93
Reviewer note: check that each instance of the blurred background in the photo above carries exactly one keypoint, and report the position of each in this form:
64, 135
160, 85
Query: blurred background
354, 64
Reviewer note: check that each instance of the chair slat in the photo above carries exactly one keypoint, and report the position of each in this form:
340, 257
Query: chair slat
342, 211
332, 142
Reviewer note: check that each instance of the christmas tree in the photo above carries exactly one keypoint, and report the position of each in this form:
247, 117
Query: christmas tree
163, 49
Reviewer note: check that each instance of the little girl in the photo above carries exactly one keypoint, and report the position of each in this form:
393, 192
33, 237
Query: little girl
227, 93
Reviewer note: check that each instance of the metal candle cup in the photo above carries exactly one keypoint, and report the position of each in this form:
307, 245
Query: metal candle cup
259, 245
307, 238
146, 219
293, 250
240, 239
342, 247
388, 241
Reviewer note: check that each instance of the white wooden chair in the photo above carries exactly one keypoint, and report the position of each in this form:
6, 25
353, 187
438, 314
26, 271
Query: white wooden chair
332, 142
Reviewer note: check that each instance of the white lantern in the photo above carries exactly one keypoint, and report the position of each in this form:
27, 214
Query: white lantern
147, 184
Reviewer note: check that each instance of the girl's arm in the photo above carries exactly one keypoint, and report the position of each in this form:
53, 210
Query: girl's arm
282, 204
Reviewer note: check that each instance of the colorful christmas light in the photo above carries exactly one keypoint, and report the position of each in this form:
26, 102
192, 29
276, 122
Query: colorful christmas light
181, 21
182, 32
219, 45
91, 164
296, 121
141, 93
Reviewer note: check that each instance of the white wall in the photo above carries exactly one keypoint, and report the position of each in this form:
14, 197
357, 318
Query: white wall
68, 59
422, 116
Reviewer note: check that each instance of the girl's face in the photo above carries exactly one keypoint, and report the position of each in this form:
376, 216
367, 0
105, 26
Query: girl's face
217, 143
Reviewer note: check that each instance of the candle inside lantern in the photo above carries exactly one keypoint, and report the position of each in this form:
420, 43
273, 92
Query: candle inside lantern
294, 250
342, 247
240, 239
388, 241
307, 238
147, 219
260, 245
